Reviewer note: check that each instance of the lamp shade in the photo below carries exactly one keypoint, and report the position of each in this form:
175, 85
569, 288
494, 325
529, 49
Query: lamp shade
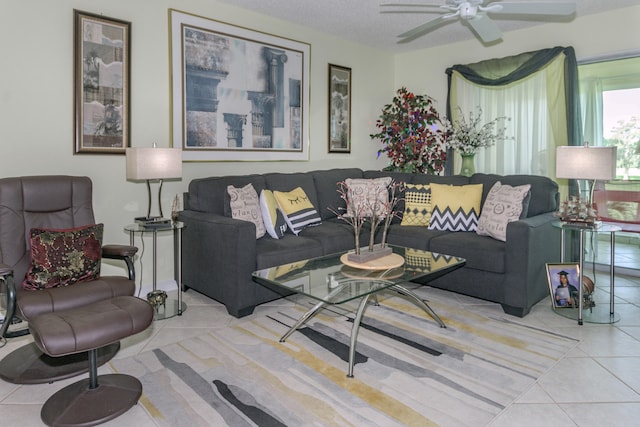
153, 163
583, 162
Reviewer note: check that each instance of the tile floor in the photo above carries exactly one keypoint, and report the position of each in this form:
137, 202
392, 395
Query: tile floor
596, 384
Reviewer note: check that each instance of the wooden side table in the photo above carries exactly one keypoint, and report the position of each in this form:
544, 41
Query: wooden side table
171, 307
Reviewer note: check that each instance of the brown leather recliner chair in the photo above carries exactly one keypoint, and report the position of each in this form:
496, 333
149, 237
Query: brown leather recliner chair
56, 202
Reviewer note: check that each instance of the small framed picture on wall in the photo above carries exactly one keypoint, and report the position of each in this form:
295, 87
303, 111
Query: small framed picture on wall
339, 109
101, 68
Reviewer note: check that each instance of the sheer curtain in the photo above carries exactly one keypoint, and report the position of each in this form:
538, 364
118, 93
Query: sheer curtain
537, 91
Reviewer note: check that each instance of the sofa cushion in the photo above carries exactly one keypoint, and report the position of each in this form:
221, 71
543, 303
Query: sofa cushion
420, 178
210, 194
417, 205
412, 237
245, 206
503, 205
480, 252
335, 235
290, 248
273, 218
297, 209
455, 207
64, 257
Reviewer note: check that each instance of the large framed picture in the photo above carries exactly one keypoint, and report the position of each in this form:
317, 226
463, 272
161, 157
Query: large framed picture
563, 282
102, 70
237, 94
339, 109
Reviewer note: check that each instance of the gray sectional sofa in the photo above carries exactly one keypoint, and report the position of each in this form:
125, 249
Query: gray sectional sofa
220, 253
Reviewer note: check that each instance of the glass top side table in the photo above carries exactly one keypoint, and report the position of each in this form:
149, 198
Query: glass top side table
164, 307
595, 314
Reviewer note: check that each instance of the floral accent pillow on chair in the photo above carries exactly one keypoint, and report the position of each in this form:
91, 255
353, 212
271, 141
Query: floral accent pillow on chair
64, 257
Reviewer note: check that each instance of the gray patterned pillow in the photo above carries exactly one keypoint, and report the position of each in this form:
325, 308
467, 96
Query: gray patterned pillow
503, 205
367, 194
245, 205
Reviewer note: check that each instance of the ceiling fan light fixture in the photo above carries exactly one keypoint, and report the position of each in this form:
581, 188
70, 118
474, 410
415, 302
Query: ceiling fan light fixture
475, 14
468, 11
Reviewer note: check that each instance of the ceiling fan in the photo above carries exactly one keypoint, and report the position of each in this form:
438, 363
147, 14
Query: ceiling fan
475, 14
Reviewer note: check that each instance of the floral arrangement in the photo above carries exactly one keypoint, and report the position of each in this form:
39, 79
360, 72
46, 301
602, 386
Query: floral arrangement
414, 137
469, 136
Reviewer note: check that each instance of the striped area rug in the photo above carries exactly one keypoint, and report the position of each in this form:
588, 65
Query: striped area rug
408, 372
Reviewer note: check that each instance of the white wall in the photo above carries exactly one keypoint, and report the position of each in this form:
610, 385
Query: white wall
36, 107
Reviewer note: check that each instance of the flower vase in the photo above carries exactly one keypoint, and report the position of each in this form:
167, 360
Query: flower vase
468, 167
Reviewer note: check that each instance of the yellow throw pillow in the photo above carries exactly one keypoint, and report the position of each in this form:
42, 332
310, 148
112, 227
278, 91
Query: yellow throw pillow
298, 211
455, 208
417, 205
273, 219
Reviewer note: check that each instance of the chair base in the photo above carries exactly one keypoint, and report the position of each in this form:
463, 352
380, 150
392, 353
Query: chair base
79, 405
29, 365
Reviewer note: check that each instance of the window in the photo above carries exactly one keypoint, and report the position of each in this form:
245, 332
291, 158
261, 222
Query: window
610, 107
610, 103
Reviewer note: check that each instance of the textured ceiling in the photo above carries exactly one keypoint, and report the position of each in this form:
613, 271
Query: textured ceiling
361, 21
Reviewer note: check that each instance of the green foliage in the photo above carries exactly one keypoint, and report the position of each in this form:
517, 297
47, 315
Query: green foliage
413, 135
626, 136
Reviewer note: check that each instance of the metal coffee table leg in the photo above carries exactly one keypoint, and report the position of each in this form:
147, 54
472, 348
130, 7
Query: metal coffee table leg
305, 317
404, 291
354, 333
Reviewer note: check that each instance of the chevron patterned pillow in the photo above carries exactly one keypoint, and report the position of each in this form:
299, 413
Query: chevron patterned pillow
455, 208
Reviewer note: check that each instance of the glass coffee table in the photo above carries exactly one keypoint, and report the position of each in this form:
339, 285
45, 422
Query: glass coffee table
330, 281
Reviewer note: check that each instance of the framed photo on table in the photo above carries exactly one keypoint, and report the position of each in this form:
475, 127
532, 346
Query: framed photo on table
563, 279
237, 94
339, 109
102, 70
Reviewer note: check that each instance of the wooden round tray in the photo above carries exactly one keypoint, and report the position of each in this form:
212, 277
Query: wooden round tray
358, 273
385, 263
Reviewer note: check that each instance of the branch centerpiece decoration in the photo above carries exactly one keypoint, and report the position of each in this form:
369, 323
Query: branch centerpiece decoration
373, 201
413, 134
469, 136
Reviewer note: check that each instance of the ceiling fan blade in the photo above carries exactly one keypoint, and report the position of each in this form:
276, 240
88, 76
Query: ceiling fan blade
485, 28
409, 5
415, 8
532, 8
423, 29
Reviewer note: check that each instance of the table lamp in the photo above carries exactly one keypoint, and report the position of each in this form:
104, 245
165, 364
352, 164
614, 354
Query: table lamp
585, 162
153, 164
